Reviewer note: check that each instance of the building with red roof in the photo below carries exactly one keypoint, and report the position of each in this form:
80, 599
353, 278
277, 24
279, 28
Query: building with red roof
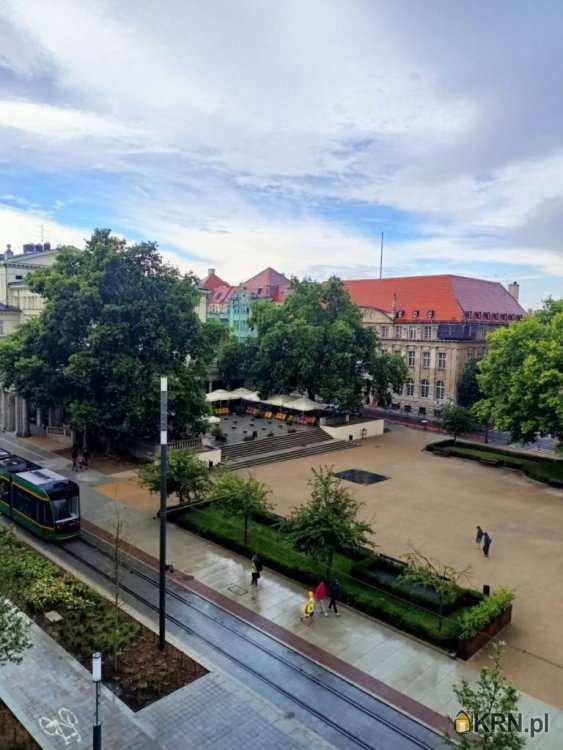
232, 304
437, 324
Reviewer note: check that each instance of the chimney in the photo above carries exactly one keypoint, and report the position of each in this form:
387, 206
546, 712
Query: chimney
514, 290
8, 254
394, 306
210, 271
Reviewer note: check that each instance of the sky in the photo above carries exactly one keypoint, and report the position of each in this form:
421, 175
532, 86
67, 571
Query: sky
254, 133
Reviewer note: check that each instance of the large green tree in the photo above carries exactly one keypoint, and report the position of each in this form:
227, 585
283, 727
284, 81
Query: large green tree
328, 522
116, 318
235, 359
315, 343
468, 391
456, 420
521, 377
187, 476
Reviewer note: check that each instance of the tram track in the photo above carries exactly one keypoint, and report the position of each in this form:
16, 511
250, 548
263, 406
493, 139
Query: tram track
405, 738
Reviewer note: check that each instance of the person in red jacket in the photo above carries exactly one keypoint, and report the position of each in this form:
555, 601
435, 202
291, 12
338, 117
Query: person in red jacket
321, 595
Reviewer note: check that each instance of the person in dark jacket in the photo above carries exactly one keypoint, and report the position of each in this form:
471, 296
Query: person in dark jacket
75, 454
487, 541
255, 569
479, 535
334, 594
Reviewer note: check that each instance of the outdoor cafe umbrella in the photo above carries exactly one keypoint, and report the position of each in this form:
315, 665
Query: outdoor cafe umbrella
304, 404
245, 394
219, 395
279, 400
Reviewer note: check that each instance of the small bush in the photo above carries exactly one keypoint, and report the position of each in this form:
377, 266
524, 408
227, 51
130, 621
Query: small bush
475, 619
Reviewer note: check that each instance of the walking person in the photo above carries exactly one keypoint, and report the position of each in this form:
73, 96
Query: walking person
85, 457
74, 455
334, 594
487, 541
255, 569
321, 593
479, 535
308, 610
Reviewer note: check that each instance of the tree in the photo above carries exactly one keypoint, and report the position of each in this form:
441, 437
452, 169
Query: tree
456, 420
521, 378
240, 496
491, 696
116, 318
443, 579
235, 359
328, 522
468, 391
187, 476
315, 343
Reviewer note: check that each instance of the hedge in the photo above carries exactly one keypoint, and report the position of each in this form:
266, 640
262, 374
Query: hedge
277, 553
543, 469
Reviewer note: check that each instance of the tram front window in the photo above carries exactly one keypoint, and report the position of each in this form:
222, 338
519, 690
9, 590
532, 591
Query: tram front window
65, 509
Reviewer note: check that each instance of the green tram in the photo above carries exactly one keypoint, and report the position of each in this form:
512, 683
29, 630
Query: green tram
39, 499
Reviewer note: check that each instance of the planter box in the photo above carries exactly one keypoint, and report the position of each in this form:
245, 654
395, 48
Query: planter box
469, 646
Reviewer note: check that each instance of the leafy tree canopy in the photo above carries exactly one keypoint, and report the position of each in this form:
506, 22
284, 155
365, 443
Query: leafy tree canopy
315, 343
187, 476
328, 522
468, 391
240, 496
116, 318
456, 420
521, 377
235, 358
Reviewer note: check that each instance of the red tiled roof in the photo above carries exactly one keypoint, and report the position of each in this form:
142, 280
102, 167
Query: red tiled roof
447, 297
267, 277
221, 294
212, 281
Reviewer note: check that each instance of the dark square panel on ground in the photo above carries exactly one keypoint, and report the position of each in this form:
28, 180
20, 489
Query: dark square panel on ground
359, 476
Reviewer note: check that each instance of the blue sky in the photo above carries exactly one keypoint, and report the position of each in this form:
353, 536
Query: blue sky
240, 135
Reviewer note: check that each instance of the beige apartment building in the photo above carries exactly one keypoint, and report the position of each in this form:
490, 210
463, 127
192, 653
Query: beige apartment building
437, 324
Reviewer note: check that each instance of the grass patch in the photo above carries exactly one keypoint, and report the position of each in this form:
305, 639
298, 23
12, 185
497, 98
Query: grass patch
134, 667
547, 470
276, 552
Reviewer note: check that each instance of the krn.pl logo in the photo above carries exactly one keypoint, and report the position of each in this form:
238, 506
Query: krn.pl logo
462, 723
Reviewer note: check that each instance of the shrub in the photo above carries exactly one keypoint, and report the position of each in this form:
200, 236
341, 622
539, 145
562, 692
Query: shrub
475, 619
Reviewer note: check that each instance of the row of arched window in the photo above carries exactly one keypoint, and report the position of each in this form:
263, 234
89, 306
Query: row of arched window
439, 389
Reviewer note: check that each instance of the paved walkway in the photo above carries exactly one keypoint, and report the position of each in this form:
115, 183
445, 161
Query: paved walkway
406, 665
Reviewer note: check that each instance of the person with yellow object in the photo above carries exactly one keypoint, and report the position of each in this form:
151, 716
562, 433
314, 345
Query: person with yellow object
308, 610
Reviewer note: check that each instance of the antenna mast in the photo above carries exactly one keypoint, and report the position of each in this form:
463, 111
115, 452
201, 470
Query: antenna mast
381, 258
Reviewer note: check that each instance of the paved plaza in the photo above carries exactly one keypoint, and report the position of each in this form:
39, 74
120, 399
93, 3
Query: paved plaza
419, 502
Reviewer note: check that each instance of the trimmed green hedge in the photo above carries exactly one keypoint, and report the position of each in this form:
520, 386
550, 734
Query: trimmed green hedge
543, 469
277, 553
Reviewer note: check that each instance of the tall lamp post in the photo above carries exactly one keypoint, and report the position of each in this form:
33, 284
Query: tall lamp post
97, 679
163, 498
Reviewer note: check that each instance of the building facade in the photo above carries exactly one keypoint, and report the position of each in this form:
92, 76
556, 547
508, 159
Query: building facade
232, 305
437, 324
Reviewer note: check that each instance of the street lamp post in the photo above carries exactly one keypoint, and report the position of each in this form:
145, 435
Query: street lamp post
163, 498
97, 679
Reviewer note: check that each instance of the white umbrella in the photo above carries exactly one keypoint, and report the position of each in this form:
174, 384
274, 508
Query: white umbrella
244, 393
304, 404
212, 420
252, 396
218, 395
280, 400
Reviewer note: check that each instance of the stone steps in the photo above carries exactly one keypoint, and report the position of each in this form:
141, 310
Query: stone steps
289, 454
271, 444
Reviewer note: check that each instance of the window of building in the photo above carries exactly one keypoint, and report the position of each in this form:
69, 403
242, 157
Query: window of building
468, 314
440, 390
384, 331
415, 313
427, 332
486, 316
412, 332
430, 314
503, 316
422, 411
397, 331
495, 316
424, 388
411, 358
408, 408
410, 387
441, 364
397, 389
477, 315
426, 359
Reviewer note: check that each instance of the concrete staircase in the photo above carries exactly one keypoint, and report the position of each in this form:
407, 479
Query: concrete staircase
280, 448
